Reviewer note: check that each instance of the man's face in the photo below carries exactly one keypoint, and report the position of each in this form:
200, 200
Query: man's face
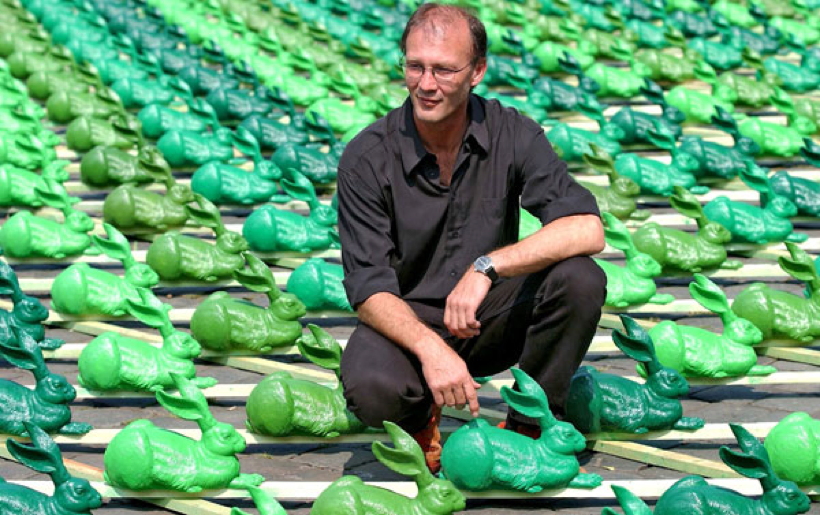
442, 47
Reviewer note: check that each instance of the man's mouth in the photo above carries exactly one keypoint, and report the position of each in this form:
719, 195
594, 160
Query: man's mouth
428, 102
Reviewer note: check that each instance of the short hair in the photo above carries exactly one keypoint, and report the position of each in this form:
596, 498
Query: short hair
430, 13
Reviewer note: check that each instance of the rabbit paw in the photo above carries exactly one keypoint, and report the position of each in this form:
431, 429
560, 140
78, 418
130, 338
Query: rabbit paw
661, 298
797, 237
761, 370
586, 481
689, 423
247, 480
51, 343
731, 264
75, 428
640, 215
204, 382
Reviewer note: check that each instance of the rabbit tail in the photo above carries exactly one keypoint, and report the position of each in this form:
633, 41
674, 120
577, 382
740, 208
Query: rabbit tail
584, 402
630, 503
468, 457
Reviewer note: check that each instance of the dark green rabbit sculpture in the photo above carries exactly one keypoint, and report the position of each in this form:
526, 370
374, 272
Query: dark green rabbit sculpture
694, 495
479, 456
318, 284
72, 495
599, 402
28, 313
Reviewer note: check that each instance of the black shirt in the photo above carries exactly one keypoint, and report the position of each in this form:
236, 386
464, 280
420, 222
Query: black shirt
405, 233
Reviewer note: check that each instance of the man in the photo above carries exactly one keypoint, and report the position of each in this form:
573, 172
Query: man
428, 217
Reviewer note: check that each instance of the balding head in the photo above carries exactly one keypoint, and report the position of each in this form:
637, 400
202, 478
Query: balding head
435, 19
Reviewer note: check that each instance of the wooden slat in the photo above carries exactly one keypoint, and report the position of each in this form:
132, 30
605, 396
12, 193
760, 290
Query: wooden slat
667, 459
309, 490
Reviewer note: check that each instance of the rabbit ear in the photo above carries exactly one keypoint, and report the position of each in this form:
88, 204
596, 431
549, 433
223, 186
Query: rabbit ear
205, 213
259, 278
116, 246
150, 311
636, 344
709, 295
617, 234
298, 186
320, 348
799, 265
686, 204
192, 404
631, 503
247, 143
266, 504
19, 355
743, 464
9, 284
530, 399
406, 458
43, 456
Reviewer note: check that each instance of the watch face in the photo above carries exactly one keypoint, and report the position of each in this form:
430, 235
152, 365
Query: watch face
482, 264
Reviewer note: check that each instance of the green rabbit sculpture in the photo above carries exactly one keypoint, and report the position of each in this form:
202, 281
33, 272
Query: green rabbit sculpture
223, 323
281, 405
772, 139
606, 402
120, 131
82, 290
18, 187
349, 495
145, 457
25, 235
479, 456
696, 352
753, 224
175, 256
678, 250
634, 283
694, 495
804, 193
114, 362
780, 314
72, 495
106, 167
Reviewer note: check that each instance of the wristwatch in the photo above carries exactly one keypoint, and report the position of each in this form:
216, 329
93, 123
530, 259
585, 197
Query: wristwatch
484, 265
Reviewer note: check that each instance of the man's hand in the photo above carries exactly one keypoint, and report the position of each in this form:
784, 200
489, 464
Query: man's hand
448, 378
463, 302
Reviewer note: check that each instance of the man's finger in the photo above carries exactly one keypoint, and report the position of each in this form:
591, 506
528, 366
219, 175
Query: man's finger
449, 398
472, 399
438, 398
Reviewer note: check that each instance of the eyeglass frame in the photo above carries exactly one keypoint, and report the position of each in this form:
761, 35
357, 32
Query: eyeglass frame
434, 71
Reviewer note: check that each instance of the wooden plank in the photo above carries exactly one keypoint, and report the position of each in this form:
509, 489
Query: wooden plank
667, 459
710, 432
309, 490
753, 270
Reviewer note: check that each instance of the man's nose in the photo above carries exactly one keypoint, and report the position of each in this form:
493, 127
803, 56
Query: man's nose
427, 81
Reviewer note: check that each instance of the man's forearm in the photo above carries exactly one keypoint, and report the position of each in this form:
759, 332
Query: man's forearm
393, 318
579, 235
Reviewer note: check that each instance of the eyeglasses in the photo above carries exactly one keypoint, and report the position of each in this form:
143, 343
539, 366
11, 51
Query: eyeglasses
414, 71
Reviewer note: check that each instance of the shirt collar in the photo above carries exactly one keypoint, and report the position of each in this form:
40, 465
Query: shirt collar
411, 147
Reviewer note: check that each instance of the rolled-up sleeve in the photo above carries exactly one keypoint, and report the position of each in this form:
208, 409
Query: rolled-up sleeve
365, 233
549, 192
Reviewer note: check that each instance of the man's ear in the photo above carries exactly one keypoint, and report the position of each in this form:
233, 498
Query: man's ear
478, 72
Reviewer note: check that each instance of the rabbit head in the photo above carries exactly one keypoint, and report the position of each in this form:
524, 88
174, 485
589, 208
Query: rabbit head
613, 132
325, 216
743, 331
79, 222
625, 187
223, 439
436, 496
180, 194
715, 233
782, 207
141, 275
182, 345
643, 265
232, 242
685, 162
563, 438
667, 382
288, 307
54, 389
30, 310
77, 496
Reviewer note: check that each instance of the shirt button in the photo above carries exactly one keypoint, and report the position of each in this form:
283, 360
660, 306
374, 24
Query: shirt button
452, 274
454, 234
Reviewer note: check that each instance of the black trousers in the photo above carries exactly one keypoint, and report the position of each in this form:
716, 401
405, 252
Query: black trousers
543, 321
